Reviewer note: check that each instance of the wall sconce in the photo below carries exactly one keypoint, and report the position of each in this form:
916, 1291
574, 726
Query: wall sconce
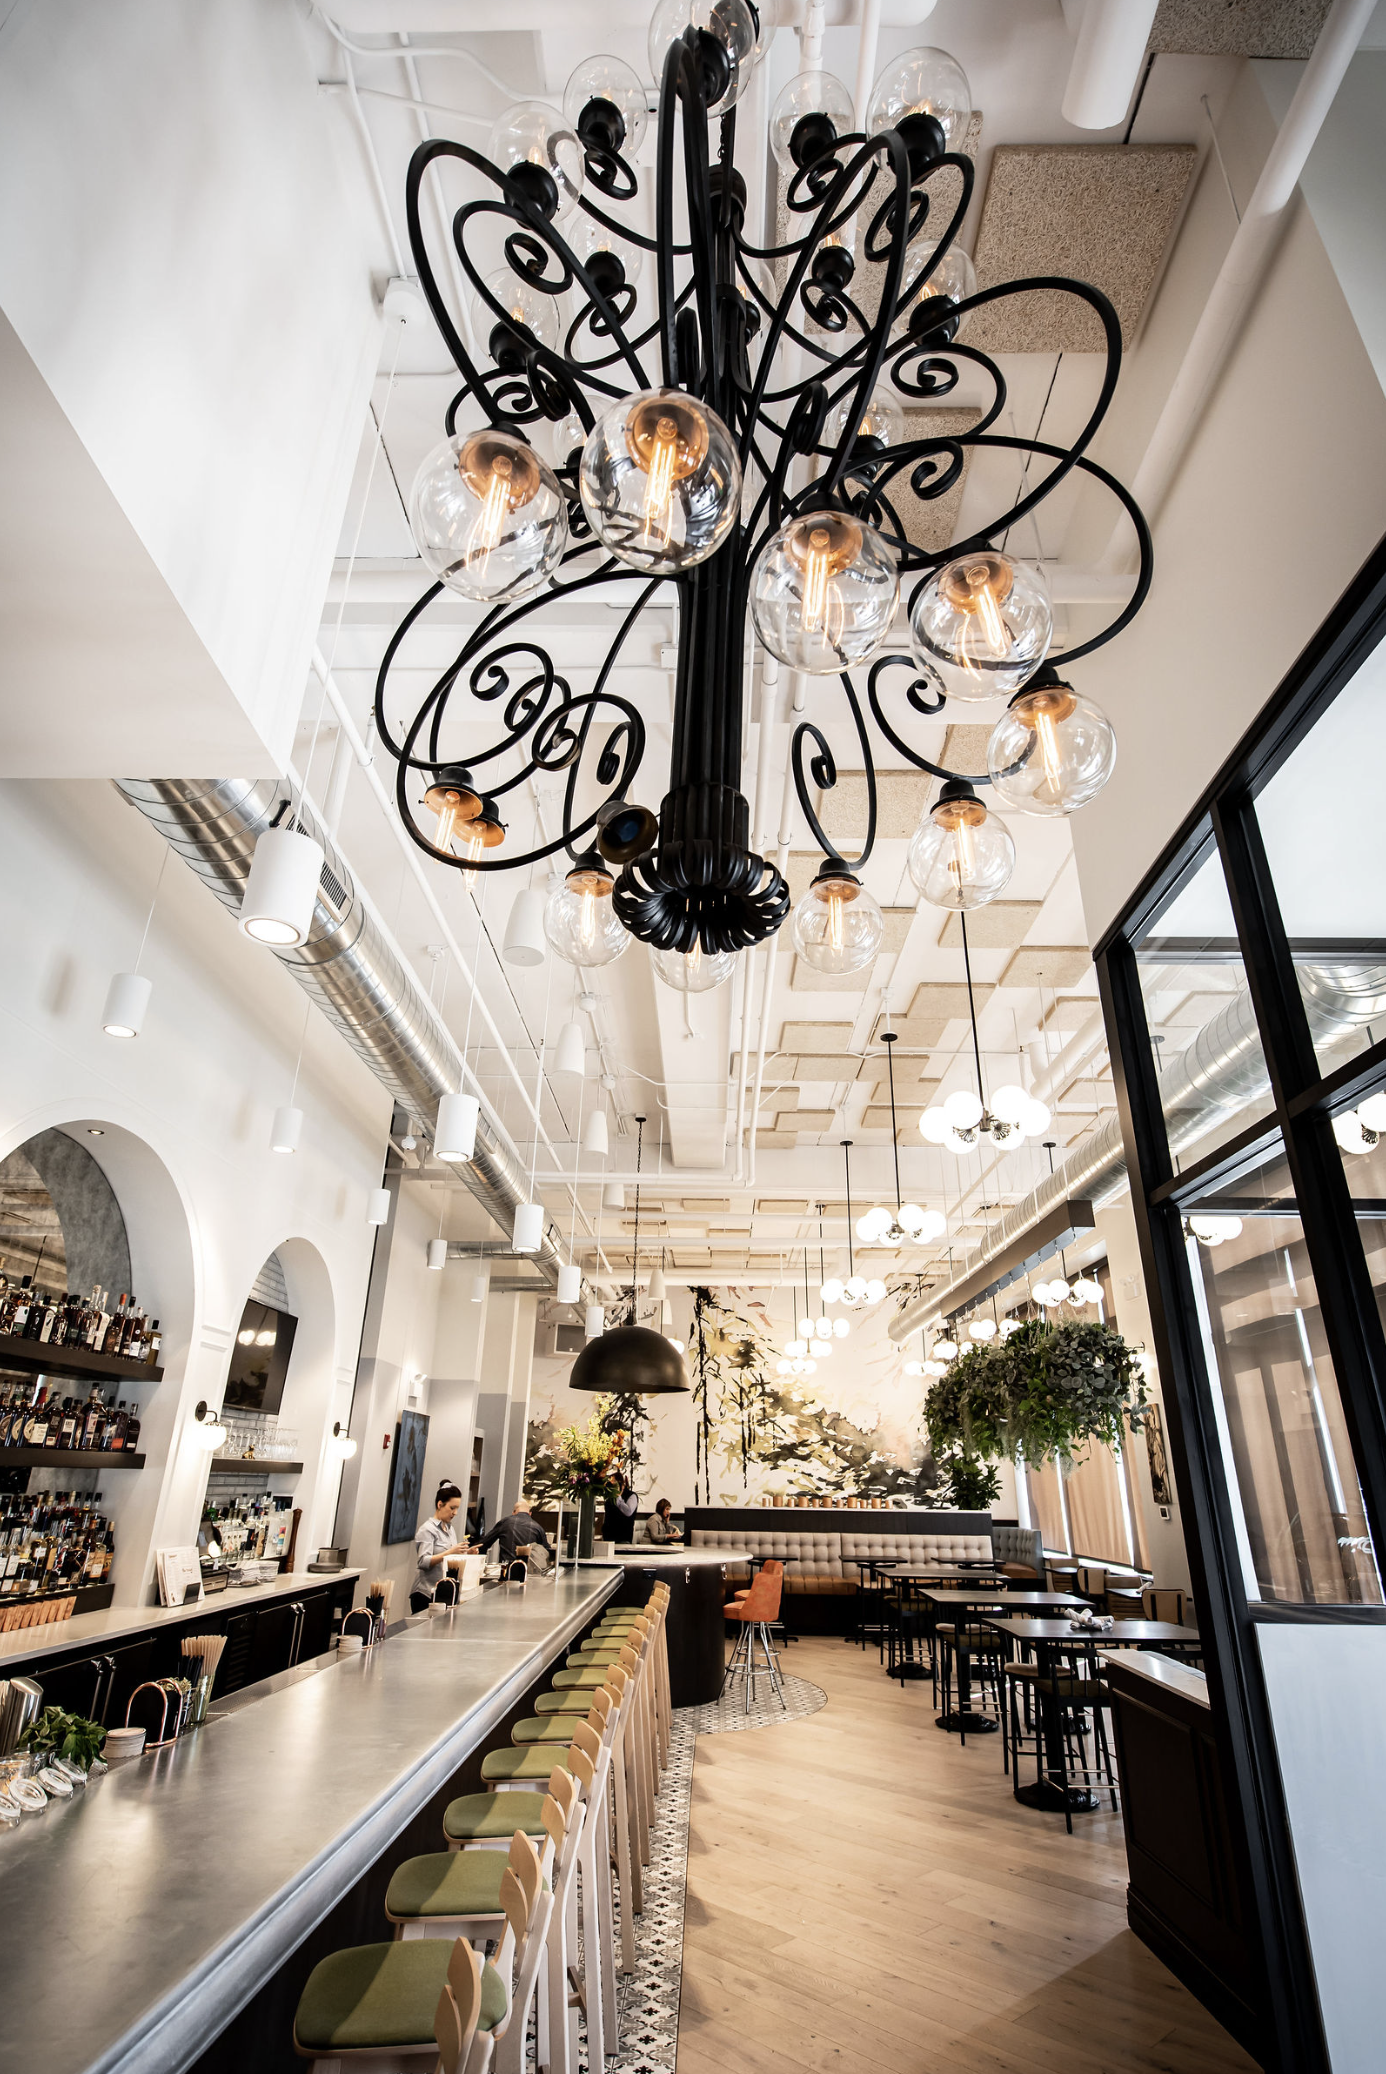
209, 1432
342, 1442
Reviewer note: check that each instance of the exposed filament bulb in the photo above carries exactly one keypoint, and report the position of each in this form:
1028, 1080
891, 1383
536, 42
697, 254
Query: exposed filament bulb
1043, 710
962, 818
668, 437
486, 532
977, 589
658, 513
472, 850
823, 544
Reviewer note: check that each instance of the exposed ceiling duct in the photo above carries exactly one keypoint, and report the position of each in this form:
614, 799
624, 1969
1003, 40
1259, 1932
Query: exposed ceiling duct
1222, 1071
348, 966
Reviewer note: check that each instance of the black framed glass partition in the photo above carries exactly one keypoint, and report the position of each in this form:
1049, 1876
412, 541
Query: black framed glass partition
1245, 996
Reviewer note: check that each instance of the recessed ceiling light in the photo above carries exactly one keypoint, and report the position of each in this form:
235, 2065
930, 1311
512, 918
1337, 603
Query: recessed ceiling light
96, 1130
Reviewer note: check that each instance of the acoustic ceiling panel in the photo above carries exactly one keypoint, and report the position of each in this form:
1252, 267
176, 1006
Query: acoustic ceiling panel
930, 522
900, 800
1100, 213
815, 1036
1000, 926
1046, 965
965, 749
1239, 28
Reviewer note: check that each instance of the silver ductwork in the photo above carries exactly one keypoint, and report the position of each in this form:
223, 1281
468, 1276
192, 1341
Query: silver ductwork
347, 966
1221, 1072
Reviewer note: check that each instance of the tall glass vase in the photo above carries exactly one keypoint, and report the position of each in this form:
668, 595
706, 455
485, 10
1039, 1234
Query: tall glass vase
587, 1520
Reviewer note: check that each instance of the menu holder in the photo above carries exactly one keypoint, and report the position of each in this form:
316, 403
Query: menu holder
180, 1576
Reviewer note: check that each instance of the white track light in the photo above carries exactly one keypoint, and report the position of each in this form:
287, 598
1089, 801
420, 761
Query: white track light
454, 1135
656, 1291
286, 1129
614, 1196
571, 1054
524, 942
529, 1227
437, 1254
127, 998
378, 1206
481, 1283
569, 1283
280, 893
594, 1136
594, 1321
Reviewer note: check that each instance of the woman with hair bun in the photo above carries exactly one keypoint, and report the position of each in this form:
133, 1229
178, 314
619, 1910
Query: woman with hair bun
433, 1542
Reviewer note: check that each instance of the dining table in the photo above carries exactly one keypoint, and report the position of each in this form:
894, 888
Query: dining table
1050, 1639
944, 1599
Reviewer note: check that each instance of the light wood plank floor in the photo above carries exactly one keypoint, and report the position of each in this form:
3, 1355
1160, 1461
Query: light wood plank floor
865, 1896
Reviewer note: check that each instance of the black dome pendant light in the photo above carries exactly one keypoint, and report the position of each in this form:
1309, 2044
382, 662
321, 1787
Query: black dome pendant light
630, 1360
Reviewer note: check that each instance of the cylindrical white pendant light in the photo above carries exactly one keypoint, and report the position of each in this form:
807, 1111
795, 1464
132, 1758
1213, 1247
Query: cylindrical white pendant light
286, 1129
481, 1283
571, 1054
378, 1206
594, 1321
127, 998
614, 1196
529, 1227
524, 942
454, 1135
657, 1285
277, 905
437, 1253
594, 1135
569, 1283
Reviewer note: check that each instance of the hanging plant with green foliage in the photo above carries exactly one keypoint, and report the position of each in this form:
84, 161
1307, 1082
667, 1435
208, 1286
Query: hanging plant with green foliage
1044, 1391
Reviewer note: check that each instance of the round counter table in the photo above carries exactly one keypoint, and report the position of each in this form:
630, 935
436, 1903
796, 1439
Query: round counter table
696, 1627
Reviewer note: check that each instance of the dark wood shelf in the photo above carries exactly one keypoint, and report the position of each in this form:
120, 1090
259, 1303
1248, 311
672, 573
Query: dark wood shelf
70, 1458
32, 1354
236, 1465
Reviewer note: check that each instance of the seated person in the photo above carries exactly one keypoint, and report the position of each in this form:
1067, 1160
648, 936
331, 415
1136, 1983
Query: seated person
658, 1526
514, 1531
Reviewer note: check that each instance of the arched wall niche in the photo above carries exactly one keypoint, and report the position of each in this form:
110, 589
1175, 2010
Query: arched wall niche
308, 1407
61, 1224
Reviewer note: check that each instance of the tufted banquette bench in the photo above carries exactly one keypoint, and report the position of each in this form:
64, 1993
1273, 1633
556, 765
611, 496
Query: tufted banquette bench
821, 1565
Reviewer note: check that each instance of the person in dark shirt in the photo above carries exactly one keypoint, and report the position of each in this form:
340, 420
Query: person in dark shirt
619, 1523
515, 1531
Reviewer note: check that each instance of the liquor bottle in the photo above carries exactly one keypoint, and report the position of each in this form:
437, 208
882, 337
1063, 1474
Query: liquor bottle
116, 1428
156, 1341
36, 1423
132, 1430
92, 1419
68, 1433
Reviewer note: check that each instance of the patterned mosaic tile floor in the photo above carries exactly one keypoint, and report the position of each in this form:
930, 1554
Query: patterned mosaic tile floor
649, 1998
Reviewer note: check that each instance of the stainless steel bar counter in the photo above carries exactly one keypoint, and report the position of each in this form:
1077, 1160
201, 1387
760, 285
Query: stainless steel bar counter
145, 1912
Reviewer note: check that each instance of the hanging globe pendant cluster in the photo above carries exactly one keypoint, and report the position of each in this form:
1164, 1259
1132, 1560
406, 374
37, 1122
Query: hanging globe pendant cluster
598, 438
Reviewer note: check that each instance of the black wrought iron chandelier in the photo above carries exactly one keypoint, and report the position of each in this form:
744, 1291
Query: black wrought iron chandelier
673, 454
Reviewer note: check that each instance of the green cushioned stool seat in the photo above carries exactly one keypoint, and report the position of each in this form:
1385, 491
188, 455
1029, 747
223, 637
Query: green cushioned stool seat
535, 1762
570, 1702
583, 1678
547, 1728
448, 1883
494, 1817
384, 1995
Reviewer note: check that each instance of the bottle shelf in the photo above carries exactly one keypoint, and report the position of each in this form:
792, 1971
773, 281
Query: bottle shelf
238, 1465
76, 1361
70, 1458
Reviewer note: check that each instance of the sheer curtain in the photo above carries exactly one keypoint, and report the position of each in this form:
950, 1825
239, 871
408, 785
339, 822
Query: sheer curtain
1096, 1514
1046, 1505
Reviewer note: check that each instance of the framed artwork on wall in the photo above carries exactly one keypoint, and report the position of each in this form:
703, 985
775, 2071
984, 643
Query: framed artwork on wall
1160, 1487
406, 1476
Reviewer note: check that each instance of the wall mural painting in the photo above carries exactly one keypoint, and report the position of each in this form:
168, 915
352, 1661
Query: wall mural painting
745, 1432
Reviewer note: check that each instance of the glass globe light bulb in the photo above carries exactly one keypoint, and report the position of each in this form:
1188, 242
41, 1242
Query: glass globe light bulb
1372, 1113
924, 82
837, 925
982, 1329
811, 113
841, 1327
934, 1127
981, 625
856, 1287
946, 1349
728, 40
910, 1218
660, 481
1008, 1326
952, 278
808, 1368
880, 424
612, 263
914, 1368
604, 102
1035, 1118
875, 1290
1351, 1133
935, 1225
526, 311
1009, 1103
806, 1328
822, 1328
533, 144
873, 1225
960, 856
693, 972
784, 1368
963, 1109
831, 1292
821, 1349
823, 592
488, 517
1213, 1231
1051, 751
579, 919
961, 1142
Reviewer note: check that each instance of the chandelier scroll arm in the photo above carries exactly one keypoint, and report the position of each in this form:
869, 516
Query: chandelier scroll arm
823, 770
929, 708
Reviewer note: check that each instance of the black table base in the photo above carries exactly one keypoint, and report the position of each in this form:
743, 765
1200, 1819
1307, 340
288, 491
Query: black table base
1049, 1798
964, 1721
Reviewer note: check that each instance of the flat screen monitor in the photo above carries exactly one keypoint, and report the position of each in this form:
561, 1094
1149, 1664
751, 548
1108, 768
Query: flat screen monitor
260, 1359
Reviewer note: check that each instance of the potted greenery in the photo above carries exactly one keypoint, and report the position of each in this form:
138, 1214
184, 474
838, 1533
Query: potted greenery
55, 1733
1041, 1392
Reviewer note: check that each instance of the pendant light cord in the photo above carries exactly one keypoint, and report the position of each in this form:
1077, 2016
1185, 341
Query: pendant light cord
972, 1010
635, 1245
889, 1042
847, 1165
163, 861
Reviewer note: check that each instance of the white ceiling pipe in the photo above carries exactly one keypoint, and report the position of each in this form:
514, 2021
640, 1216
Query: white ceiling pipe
867, 48
1070, 1062
1107, 62
1247, 259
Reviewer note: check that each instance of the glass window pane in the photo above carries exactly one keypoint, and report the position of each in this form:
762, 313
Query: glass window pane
1326, 847
1208, 1058
1361, 1136
1304, 1529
